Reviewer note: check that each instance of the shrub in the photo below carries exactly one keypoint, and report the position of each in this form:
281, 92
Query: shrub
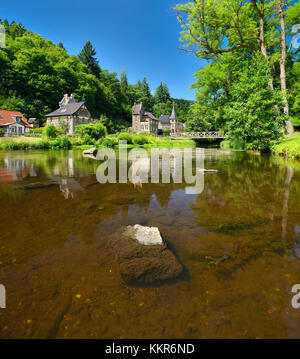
62, 142
125, 136
108, 142
2, 132
166, 132
140, 139
76, 141
65, 142
50, 131
88, 140
94, 130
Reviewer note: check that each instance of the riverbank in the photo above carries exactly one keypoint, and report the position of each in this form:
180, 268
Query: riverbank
65, 142
288, 147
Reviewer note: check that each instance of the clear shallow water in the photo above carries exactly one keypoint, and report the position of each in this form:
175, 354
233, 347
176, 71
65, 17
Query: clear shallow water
239, 241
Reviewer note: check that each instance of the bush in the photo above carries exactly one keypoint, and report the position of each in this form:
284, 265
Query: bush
166, 132
51, 131
88, 140
76, 141
94, 130
140, 139
2, 132
125, 136
65, 142
107, 142
62, 142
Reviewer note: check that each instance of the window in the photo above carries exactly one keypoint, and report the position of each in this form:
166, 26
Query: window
18, 118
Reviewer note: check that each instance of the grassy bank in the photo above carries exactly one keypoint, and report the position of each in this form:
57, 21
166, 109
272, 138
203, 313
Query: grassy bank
288, 147
33, 143
64, 142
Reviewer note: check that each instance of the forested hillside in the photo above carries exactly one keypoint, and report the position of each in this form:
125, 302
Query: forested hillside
35, 73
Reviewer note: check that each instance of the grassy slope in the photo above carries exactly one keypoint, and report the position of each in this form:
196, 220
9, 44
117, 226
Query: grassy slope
289, 146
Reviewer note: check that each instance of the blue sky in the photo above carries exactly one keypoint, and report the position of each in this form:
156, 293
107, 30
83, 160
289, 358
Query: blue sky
140, 35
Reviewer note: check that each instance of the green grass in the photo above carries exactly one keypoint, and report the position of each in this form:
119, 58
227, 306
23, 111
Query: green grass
64, 142
29, 143
288, 147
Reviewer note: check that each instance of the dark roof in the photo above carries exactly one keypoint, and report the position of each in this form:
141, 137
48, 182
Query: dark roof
149, 114
66, 110
173, 114
164, 119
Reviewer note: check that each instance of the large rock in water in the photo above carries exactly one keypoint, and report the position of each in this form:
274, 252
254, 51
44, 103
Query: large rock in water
143, 256
92, 151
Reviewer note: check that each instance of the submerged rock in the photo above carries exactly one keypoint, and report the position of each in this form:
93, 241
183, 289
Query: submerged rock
92, 151
143, 256
148, 236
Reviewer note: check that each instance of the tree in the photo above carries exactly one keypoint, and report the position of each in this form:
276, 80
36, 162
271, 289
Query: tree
88, 57
123, 82
244, 29
164, 108
250, 114
61, 45
162, 94
281, 6
143, 94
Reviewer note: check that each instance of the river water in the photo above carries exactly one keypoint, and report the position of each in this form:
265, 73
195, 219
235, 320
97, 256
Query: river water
238, 240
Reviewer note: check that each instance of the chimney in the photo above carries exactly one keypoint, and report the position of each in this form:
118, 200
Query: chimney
64, 101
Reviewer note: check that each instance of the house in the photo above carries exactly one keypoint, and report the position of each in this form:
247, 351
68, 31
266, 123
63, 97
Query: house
171, 122
70, 113
34, 123
143, 121
13, 123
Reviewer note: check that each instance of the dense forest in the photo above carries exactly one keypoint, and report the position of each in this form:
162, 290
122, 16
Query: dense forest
250, 87
35, 73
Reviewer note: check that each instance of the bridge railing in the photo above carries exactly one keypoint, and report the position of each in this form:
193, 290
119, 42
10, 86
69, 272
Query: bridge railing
210, 134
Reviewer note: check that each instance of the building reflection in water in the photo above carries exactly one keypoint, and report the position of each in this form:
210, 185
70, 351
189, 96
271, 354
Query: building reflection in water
15, 170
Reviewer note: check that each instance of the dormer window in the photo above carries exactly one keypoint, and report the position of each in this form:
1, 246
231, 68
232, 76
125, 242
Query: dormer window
18, 119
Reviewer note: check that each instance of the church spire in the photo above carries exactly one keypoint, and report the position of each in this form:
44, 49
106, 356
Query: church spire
173, 114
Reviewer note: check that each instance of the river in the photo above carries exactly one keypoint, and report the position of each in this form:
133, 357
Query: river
238, 240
